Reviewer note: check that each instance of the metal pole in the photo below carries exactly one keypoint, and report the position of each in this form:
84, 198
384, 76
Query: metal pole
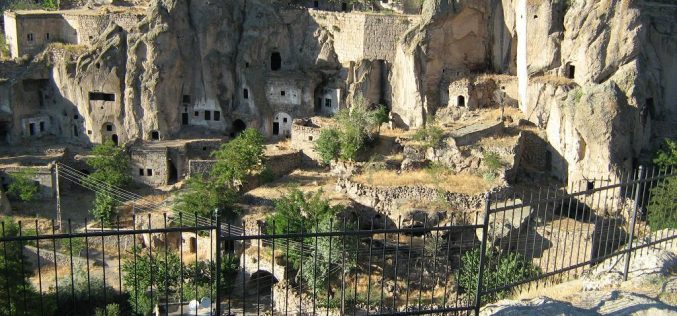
58, 197
633, 220
483, 250
218, 262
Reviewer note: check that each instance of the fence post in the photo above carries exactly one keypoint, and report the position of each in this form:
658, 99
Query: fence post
633, 220
218, 262
483, 250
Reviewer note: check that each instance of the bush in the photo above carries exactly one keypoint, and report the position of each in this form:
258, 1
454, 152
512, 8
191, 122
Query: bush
104, 208
16, 269
492, 163
4, 47
507, 269
23, 185
431, 135
109, 310
328, 145
357, 127
662, 204
235, 160
111, 165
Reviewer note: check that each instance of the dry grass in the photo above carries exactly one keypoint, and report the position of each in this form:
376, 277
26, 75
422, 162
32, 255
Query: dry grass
554, 80
459, 183
500, 141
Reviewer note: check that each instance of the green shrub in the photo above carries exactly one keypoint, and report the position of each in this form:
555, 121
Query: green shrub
110, 164
267, 175
104, 208
662, 203
507, 269
4, 46
235, 161
492, 164
109, 310
23, 185
431, 135
328, 145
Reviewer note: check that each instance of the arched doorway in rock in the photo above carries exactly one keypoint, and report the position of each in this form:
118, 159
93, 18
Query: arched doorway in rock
460, 100
114, 138
282, 125
173, 173
238, 127
570, 71
262, 281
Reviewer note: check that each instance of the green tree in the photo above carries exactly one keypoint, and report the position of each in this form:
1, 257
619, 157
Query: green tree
104, 208
382, 115
157, 273
662, 203
328, 145
238, 158
667, 156
4, 46
23, 185
498, 271
110, 164
235, 160
320, 266
50, 4
431, 135
358, 126
203, 195
14, 284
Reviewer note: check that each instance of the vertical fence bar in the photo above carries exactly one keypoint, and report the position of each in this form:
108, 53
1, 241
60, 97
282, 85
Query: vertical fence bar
483, 250
218, 262
632, 224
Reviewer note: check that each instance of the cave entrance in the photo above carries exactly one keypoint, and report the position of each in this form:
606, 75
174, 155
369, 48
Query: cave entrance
238, 127
461, 100
114, 138
276, 128
184, 118
4, 132
282, 124
275, 61
173, 173
570, 71
262, 281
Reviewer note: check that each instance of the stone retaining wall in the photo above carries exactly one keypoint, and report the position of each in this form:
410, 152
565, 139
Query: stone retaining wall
384, 199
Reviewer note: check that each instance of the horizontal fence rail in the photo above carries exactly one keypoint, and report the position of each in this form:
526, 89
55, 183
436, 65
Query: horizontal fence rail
176, 264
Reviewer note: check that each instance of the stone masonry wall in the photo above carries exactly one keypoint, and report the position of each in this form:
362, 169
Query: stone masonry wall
303, 139
359, 35
384, 199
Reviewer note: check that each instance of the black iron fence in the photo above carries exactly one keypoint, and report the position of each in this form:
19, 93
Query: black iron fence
423, 263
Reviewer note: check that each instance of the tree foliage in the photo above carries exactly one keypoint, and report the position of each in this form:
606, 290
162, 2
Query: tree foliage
430, 135
235, 160
104, 208
23, 185
310, 212
110, 164
14, 285
498, 271
663, 201
357, 127
328, 145
162, 272
238, 158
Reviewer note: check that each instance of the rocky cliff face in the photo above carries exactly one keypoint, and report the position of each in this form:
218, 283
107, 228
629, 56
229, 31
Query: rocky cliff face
598, 76
192, 57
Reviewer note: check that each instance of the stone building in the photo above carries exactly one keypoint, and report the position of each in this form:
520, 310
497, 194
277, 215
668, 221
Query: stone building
28, 32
